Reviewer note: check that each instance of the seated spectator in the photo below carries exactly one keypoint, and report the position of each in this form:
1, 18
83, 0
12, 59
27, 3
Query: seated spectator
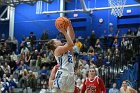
1, 71
85, 65
78, 44
85, 57
82, 71
76, 51
32, 39
44, 60
6, 68
13, 56
138, 33
38, 61
98, 46
34, 58
27, 58
31, 80
90, 50
114, 89
127, 89
4, 77
3, 38
5, 86
12, 83
99, 62
115, 43
129, 32
44, 36
124, 42
22, 64
107, 61
21, 72
23, 80
0, 85
109, 52
44, 76
92, 38
24, 49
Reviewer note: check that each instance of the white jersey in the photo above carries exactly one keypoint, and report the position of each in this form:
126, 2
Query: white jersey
64, 79
66, 63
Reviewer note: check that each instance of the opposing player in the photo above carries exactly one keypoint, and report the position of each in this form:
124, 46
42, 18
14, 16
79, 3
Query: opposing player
52, 76
64, 78
93, 84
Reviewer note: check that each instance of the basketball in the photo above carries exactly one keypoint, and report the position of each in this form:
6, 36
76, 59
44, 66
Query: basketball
62, 22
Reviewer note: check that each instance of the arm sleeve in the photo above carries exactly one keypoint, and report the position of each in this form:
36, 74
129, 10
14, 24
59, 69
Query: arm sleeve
83, 87
102, 85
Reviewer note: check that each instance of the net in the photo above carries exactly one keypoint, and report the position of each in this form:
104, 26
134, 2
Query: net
117, 7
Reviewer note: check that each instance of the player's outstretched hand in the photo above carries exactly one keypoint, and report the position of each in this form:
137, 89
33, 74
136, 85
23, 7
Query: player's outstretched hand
62, 30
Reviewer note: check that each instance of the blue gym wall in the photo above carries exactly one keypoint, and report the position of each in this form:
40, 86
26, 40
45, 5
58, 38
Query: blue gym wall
26, 19
4, 25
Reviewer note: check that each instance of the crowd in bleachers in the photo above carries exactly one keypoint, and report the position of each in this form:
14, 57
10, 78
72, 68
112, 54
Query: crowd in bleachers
29, 63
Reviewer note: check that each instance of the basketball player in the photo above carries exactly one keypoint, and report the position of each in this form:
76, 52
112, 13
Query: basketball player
127, 89
52, 77
64, 78
93, 84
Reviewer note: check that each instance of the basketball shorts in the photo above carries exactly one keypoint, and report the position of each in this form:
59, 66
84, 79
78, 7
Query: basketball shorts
64, 82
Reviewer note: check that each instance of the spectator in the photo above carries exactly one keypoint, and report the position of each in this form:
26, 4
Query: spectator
12, 83
31, 80
78, 44
44, 76
76, 51
1, 71
27, 58
115, 43
129, 32
32, 39
86, 44
22, 64
98, 46
44, 36
15, 45
90, 50
5, 86
6, 68
127, 89
138, 33
3, 39
118, 33
114, 89
0, 85
24, 49
92, 38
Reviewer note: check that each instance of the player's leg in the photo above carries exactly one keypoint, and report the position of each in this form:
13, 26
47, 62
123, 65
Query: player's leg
55, 90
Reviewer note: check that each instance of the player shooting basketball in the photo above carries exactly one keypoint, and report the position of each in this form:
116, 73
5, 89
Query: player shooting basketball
64, 78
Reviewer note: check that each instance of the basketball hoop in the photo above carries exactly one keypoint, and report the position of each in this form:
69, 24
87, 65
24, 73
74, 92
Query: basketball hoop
117, 7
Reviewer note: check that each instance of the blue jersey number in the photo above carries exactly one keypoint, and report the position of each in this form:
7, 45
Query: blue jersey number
70, 59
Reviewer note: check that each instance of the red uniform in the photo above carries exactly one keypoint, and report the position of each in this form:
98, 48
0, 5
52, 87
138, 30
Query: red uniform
93, 86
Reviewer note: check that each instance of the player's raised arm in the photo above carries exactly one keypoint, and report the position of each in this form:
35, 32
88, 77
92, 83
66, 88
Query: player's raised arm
70, 31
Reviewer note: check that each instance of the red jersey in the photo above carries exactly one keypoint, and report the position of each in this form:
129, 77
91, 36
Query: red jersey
93, 86
76, 90
56, 68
